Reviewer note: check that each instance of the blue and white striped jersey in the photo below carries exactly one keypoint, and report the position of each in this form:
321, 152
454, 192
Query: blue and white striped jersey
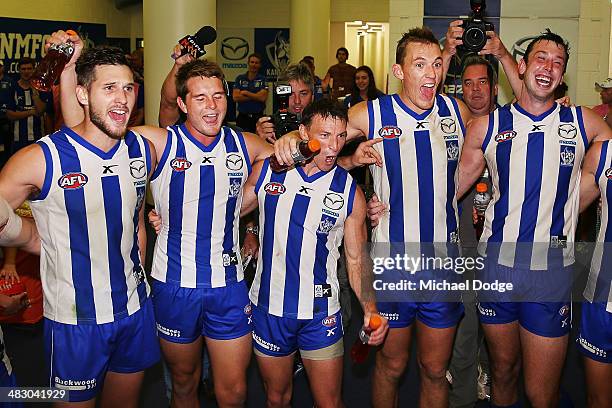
418, 179
301, 222
535, 164
87, 216
599, 285
198, 193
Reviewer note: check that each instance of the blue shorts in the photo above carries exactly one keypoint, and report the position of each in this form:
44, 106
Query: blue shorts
281, 336
438, 315
546, 319
185, 314
80, 355
595, 337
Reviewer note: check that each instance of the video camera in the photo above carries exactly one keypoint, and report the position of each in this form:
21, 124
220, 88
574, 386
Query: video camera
284, 121
475, 27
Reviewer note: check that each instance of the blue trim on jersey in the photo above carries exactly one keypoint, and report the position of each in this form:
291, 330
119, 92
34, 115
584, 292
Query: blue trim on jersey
603, 155
148, 160
533, 187
262, 174
607, 237
425, 182
535, 118
111, 194
581, 127
44, 191
267, 245
489, 135
293, 254
443, 109
78, 232
351, 198
199, 144
393, 164
314, 177
370, 120
451, 167
563, 181
409, 111
175, 215
565, 114
162, 161
231, 271
458, 113
206, 205
502, 162
95, 150
245, 151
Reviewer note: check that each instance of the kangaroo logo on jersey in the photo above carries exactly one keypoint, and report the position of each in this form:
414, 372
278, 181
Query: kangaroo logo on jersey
390, 132
326, 225
330, 321
322, 291
505, 136
234, 162
234, 187
333, 201
180, 164
452, 150
448, 125
72, 181
138, 169
567, 131
567, 156
608, 173
274, 188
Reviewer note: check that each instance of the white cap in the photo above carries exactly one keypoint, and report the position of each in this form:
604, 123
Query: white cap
604, 84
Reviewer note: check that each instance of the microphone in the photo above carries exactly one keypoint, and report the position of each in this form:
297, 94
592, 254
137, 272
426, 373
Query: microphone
194, 44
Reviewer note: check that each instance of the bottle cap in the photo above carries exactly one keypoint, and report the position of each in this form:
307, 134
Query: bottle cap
481, 187
314, 145
375, 322
71, 32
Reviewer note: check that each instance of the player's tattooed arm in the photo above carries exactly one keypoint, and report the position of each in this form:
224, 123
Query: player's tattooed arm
589, 190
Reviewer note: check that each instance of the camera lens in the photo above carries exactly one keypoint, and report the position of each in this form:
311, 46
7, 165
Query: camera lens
474, 39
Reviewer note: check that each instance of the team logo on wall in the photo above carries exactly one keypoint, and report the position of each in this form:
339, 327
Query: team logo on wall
519, 47
448, 125
278, 52
233, 162
333, 201
234, 48
138, 168
567, 131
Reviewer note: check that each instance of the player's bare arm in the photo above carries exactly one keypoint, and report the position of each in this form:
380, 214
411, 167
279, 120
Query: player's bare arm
596, 128
472, 160
589, 190
249, 196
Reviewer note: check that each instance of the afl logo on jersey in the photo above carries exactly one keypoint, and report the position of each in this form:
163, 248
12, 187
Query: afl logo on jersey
448, 125
390, 132
72, 181
505, 136
233, 162
608, 173
275, 188
329, 321
180, 164
567, 131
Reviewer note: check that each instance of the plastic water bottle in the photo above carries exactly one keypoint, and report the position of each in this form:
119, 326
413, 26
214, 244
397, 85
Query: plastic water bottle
52, 65
481, 202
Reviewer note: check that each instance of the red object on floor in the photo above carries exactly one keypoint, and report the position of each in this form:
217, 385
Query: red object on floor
28, 268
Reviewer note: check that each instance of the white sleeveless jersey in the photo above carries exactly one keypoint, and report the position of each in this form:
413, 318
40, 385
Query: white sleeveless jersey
599, 285
198, 193
87, 216
534, 164
301, 221
418, 179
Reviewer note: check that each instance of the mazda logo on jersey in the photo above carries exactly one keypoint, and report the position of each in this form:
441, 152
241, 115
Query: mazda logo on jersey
608, 173
180, 164
138, 169
567, 131
233, 161
234, 48
333, 201
505, 136
329, 321
274, 188
448, 125
72, 181
390, 132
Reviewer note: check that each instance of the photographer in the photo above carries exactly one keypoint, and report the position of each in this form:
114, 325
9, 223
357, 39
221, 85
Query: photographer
300, 78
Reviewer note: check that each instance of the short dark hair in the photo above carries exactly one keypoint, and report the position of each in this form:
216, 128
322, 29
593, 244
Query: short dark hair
474, 59
549, 36
25, 61
372, 90
196, 68
326, 108
308, 58
94, 57
256, 55
422, 35
342, 49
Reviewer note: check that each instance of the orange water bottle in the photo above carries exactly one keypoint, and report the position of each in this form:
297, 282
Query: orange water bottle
50, 68
306, 150
360, 349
